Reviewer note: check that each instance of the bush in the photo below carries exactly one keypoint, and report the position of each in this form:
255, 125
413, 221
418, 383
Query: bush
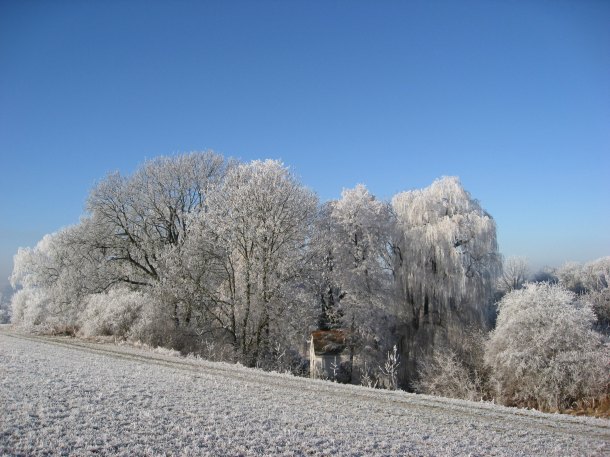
457, 372
155, 326
600, 301
5, 309
29, 308
113, 313
282, 359
543, 352
446, 375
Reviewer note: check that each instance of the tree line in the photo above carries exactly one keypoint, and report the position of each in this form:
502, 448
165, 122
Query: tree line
240, 261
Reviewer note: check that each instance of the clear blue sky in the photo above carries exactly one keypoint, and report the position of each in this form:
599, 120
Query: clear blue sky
511, 96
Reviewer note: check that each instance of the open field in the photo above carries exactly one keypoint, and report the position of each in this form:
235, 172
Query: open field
60, 396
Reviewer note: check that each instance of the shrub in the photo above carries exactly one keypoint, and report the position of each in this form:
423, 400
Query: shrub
112, 313
543, 352
456, 372
155, 325
600, 301
28, 308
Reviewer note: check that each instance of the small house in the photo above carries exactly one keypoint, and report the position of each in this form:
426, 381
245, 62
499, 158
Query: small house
328, 357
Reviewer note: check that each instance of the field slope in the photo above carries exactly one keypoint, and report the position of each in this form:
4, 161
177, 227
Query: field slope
60, 396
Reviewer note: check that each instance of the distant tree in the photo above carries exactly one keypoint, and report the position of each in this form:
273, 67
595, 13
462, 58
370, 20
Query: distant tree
545, 274
597, 274
600, 302
5, 309
588, 277
591, 280
515, 272
544, 352
571, 276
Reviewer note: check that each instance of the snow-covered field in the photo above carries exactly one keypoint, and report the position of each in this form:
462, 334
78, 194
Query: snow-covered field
60, 396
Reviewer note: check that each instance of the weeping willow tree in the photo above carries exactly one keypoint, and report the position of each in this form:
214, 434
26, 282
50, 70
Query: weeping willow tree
446, 263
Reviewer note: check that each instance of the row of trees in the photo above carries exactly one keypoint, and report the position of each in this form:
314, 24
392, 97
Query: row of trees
240, 261
197, 248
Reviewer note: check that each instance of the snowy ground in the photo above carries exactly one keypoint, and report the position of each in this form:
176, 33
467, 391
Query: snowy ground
67, 397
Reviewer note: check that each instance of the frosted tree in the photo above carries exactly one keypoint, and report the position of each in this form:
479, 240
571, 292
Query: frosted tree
260, 220
362, 240
591, 280
142, 222
515, 272
34, 273
351, 273
446, 263
571, 276
579, 278
143, 214
597, 274
544, 352
190, 277
362, 245
55, 276
4, 309
133, 223
600, 301
323, 273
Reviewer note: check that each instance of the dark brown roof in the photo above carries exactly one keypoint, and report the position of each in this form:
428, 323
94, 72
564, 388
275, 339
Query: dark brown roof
328, 342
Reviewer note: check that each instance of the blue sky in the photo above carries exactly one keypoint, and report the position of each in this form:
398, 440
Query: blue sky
511, 96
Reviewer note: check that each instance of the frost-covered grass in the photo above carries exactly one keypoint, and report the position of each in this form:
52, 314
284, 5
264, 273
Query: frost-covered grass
60, 396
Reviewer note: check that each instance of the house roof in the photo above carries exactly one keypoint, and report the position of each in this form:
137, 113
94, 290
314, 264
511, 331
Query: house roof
328, 342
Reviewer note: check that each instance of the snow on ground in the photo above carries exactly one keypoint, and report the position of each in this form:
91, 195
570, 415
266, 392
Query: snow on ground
60, 396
